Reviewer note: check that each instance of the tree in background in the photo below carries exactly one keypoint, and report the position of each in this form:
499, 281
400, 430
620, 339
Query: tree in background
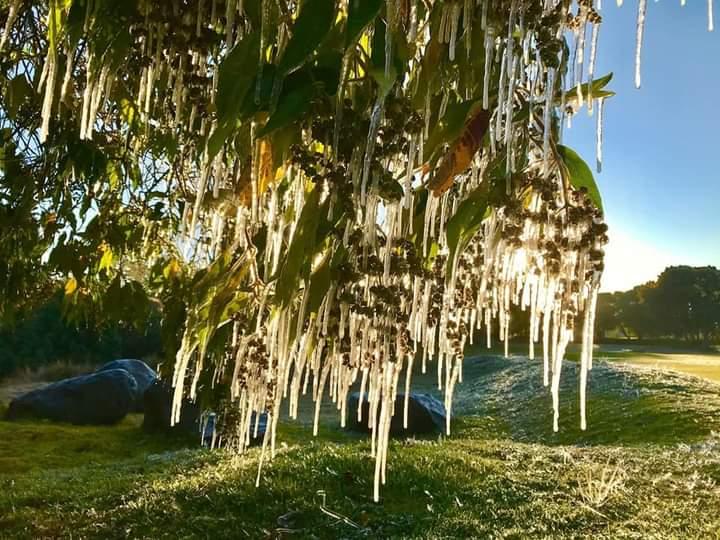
683, 303
43, 336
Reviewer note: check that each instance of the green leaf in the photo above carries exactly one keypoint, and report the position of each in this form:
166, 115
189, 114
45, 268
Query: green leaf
597, 86
319, 285
311, 26
235, 76
292, 105
267, 78
466, 221
327, 71
360, 14
301, 247
19, 90
218, 137
579, 174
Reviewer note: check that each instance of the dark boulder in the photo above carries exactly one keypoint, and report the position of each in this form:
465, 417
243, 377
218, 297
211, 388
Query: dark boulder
158, 408
144, 376
104, 397
426, 414
157, 403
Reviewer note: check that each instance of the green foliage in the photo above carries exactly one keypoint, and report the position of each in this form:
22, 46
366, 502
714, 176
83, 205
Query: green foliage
465, 222
360, 14
579, 174
312, 25
43, 336
683, 303
301, 249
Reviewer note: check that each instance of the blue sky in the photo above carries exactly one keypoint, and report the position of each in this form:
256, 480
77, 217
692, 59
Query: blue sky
661, 153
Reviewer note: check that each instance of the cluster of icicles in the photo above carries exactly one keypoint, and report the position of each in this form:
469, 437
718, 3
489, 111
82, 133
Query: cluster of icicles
279, 353
285, 352
99, 71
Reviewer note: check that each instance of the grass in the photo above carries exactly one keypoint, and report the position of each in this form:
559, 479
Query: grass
648, 467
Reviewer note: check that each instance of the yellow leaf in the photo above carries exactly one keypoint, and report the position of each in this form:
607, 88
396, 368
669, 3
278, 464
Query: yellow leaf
266, 171
171, 269
460, 155
107, 258
70, 286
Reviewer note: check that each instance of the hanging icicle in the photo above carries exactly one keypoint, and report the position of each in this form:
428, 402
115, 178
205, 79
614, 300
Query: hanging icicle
642, 7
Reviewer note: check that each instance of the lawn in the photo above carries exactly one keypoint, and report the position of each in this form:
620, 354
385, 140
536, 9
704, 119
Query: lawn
648, 467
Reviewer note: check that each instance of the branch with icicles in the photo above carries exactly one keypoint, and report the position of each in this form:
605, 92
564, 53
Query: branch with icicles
343, 225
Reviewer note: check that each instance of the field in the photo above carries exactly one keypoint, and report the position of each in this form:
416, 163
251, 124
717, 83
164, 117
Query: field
647, 467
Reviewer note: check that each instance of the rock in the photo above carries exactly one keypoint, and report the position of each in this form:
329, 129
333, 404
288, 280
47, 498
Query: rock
104, 397
426, 414
144, 376
157, 403
158, 407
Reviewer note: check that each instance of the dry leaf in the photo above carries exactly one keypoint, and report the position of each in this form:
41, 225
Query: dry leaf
460, 155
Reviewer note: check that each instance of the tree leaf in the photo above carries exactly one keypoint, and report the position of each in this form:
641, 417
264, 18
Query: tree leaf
466, 221
327, 71
360, 14
19, 90
579, 174
450, 126
597, 87
218, 137
319, 285
311, 26
235, 75
70, 286
266, 171
292, 106
106, 260
460, 154
301, 246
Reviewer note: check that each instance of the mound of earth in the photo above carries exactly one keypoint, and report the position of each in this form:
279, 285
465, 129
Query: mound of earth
625, 404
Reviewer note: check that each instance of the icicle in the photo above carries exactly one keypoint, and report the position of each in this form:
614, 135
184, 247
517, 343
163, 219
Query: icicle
455, 14
277, 83
489, 48
339, 105
67, 78
546, 120
51, 62
391, 11
593, 50
370, 143
12, 15
642, 6
711, 24
229, 22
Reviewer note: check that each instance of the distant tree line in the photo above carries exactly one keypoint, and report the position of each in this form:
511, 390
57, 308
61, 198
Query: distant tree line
682, 303
45, 335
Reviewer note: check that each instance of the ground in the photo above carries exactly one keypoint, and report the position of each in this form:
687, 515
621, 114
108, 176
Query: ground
647, 467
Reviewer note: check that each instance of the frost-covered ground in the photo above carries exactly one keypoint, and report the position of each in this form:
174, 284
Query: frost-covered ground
647, 467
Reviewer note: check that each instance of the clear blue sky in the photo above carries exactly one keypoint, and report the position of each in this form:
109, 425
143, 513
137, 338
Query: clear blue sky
660, 180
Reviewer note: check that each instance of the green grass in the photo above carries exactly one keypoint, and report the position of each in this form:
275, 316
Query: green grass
502, 473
